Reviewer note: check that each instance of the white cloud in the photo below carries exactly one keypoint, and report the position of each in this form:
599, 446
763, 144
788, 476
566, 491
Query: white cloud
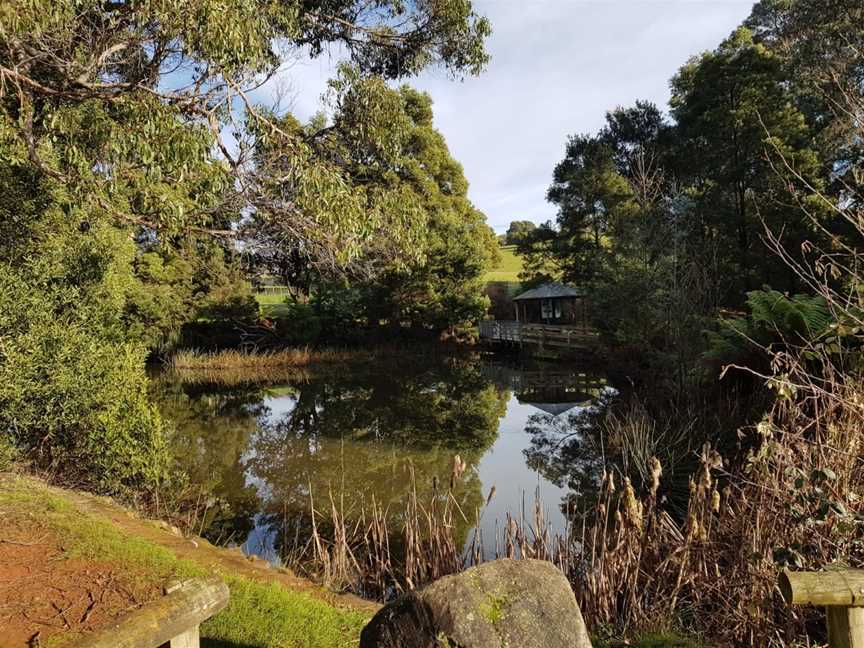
557, 67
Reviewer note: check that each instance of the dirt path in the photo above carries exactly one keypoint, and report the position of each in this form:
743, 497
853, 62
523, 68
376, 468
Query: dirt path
44, 593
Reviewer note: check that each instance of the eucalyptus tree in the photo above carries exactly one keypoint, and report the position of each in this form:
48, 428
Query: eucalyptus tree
129, 125
400, 168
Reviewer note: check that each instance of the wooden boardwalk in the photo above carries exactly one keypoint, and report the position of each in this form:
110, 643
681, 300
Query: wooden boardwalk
542, 336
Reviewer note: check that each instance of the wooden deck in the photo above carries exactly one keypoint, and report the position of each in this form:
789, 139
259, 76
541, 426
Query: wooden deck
542, 336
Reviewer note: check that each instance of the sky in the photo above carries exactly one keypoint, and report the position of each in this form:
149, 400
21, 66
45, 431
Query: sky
557, 66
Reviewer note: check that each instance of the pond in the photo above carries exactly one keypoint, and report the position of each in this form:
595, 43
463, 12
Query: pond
262, 449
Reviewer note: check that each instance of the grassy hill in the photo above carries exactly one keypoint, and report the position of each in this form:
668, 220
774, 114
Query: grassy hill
509, 267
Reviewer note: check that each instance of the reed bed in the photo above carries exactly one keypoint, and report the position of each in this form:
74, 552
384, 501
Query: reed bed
232, 359
793, 499
237, 376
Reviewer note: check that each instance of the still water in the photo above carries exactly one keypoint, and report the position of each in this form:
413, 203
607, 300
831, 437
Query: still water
261, 447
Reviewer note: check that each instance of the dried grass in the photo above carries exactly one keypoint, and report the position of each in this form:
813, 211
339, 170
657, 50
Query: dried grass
233, 359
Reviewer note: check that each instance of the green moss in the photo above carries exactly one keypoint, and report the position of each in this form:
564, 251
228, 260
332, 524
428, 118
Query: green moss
494, 608
259, 615
269, 615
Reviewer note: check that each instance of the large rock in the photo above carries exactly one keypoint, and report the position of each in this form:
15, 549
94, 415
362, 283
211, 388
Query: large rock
500, 604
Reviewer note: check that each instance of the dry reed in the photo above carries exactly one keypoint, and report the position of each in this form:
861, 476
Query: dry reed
258, 359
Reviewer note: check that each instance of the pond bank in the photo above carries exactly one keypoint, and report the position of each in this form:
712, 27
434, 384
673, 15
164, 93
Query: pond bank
87, 560
83, 561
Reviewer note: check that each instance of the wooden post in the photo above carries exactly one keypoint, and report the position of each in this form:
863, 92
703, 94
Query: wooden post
171, 621
845, 627
842, 594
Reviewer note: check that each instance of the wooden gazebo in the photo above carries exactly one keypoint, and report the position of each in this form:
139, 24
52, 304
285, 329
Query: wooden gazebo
552, 303
552, 315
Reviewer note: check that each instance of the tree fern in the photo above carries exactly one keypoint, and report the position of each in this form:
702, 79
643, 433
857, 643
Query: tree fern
773, 320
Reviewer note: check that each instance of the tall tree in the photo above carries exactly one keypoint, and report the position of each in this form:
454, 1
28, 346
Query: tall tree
518, 230
736, 120
400, 164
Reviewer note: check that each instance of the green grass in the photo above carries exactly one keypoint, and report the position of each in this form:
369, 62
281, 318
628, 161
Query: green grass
508, 268
259, 615
270, 615
273, 304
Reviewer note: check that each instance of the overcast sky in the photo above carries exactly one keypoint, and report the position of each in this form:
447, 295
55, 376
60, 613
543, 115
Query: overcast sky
557, 66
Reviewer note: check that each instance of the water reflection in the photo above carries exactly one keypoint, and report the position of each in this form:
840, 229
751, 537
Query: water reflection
369, 431
568, 451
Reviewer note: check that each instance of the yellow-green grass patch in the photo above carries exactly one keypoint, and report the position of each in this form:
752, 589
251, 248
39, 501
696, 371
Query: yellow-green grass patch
508, 268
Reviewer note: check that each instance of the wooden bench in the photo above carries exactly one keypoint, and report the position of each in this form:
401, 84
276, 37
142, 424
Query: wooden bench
169, 622
840, 592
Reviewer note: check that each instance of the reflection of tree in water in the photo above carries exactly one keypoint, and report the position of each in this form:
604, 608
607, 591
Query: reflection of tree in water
414, 402
212, 429
368, 432
568, 450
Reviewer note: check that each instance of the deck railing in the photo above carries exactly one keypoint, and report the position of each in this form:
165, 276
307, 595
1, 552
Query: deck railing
500, 331
542, 335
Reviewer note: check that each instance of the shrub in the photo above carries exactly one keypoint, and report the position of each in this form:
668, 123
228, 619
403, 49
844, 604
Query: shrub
73, 389
8, 453
300, 324
773, 322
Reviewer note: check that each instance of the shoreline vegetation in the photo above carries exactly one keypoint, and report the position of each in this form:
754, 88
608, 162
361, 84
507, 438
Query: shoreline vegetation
234, 359
635, 565
107, 550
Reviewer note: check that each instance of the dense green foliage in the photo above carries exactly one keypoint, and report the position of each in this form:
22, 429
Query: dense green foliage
517, 231
128, 149
399, 165
669, 220
773, 320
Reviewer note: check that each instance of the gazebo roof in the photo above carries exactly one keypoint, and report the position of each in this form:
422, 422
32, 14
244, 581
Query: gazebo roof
555, 409
550, 291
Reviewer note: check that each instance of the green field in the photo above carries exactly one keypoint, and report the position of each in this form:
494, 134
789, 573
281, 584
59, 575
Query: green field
509, 267
273, 303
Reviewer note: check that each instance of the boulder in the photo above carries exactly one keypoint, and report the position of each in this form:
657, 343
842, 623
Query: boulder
499, 604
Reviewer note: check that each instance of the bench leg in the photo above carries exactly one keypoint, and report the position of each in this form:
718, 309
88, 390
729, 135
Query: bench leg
845, 627
189, 639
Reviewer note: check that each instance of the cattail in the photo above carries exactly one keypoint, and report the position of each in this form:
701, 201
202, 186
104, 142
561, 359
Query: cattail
656, 473
458, 469
632, 506
491, 495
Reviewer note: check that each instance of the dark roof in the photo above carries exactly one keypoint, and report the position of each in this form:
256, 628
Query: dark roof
555, 409
550, 291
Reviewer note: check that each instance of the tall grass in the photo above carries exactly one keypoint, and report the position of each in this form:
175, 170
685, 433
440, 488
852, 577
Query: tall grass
253, 359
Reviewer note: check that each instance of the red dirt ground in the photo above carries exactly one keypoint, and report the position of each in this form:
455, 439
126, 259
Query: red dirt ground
43, 592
